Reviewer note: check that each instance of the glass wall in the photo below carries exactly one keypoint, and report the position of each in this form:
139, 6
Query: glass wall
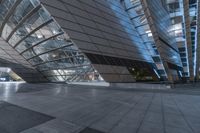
32, 31
175, 8
193, 12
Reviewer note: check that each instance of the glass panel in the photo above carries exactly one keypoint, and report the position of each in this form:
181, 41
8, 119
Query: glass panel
28, 54
29, 25
21, 10
4, 7
41, 34
43, 43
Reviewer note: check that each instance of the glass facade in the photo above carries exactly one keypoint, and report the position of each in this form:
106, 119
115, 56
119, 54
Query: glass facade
72, 41
34, 33
163, 25
193, 12
175, 8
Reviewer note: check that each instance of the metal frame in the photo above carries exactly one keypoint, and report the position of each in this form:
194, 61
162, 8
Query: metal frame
23, 20
9, 13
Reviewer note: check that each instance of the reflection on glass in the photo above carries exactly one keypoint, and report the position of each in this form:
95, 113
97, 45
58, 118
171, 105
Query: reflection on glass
40, 40
29, 25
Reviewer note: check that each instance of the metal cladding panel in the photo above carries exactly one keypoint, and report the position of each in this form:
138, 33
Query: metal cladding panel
101, 27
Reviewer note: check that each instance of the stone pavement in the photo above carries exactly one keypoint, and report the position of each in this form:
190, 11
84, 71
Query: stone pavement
84, 109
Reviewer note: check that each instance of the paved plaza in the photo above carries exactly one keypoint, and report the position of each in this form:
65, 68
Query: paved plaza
90, 109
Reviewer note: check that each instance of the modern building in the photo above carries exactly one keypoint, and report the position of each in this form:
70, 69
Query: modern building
100, 40
176, 11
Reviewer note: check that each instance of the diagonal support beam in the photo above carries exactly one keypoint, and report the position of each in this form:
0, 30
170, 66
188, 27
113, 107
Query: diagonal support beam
33, 31
42, 42
23, 20
9, 13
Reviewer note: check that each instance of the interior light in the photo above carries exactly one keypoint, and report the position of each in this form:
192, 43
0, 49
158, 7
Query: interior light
150, 34
54, 32
53, 55
39, 36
